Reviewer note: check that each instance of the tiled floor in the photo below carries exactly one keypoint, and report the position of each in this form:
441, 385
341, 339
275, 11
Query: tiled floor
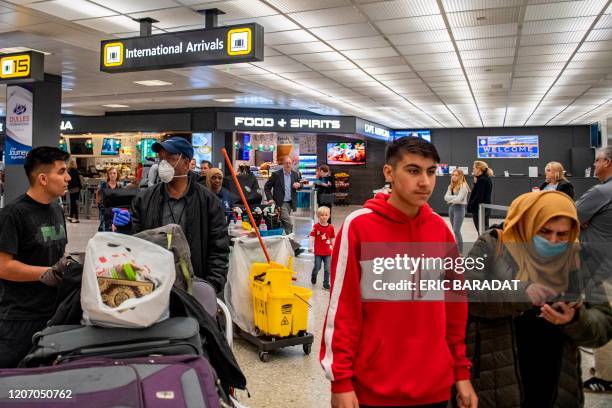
291, 379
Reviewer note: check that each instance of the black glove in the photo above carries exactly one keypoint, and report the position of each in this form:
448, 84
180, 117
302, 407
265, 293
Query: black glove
54, 274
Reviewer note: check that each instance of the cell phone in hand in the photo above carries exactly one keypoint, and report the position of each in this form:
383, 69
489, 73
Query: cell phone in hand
569, 298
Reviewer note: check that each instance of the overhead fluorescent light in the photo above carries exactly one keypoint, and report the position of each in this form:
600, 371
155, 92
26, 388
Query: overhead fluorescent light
11, 50
115, 105
224, 100
153, 82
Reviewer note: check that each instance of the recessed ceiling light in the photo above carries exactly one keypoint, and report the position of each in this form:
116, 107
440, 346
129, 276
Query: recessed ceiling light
115, 105
224, 100
153, 82
10, 50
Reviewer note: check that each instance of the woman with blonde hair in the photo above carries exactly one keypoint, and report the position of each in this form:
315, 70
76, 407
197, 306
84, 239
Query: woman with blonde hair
456, 197
481, 193
555, 179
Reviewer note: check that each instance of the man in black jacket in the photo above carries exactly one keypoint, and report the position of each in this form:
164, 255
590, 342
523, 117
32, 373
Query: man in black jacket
179, 199
281, 189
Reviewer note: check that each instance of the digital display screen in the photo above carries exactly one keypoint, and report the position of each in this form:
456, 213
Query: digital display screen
346, 153
145, 149
110, 146
508, 147
424, 134
80, 145
202, 147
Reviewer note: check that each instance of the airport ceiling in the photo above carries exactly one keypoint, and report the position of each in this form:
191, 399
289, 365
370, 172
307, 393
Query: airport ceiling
401, 63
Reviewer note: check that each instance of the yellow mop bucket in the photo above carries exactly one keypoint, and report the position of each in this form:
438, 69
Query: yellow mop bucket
279, 308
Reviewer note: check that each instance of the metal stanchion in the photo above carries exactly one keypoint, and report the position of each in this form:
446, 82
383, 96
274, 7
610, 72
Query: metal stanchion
313, 204
86, 201
481, 214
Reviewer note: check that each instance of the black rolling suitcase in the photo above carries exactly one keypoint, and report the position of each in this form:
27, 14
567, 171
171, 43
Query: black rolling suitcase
58, 344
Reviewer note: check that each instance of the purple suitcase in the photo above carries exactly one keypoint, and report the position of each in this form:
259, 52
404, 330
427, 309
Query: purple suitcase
147, 382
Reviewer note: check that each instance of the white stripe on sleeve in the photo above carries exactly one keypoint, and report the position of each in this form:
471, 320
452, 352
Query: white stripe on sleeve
328, 334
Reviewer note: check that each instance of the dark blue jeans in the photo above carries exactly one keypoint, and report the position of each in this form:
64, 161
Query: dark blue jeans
317, 266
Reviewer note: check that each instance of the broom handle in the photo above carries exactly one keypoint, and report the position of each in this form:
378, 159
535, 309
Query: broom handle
246, 205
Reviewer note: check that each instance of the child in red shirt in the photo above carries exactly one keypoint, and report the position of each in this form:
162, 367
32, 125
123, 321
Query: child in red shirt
322, 243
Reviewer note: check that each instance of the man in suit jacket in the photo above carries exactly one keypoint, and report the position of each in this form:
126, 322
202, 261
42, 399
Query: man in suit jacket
281, 189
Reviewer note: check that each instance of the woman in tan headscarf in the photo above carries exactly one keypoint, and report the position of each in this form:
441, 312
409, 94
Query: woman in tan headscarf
540, 231
523, 341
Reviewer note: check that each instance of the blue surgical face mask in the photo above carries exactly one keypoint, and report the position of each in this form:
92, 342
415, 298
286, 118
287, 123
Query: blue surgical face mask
546, 249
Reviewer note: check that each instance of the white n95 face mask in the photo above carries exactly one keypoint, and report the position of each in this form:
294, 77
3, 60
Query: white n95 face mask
165, 171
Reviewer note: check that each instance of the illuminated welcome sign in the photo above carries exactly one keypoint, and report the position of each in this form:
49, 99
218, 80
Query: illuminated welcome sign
508, 147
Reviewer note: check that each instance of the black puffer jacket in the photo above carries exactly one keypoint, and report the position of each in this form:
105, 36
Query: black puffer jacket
205, 228
491, 333
481, 193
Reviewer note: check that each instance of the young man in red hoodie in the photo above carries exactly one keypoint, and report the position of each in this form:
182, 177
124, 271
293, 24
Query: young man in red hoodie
394, 353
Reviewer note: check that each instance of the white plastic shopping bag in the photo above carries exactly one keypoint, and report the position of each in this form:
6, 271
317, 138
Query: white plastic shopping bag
111, 251
245, 252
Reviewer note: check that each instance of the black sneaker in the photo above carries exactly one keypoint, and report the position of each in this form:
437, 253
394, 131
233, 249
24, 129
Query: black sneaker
595, 384
297, 252
313, 280
325, 287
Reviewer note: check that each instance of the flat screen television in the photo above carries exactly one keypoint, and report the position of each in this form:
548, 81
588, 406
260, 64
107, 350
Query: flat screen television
595, 132
110, 146
343, 153
79, 145
424, 134
508, 147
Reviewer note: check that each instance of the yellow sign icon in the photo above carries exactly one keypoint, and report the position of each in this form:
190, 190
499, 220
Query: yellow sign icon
113, 54
15, 66
239, 41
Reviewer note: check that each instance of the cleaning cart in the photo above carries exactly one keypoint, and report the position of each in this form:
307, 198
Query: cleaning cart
280, 309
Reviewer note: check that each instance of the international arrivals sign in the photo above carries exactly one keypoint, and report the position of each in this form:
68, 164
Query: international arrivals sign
211, 46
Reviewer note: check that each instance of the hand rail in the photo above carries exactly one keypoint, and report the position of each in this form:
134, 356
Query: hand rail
229, 328
481, 214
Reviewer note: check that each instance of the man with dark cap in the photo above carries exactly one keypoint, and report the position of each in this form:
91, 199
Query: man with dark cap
179, 199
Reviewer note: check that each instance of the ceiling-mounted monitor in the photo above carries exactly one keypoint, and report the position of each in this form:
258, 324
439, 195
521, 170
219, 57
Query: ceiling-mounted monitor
343, 153
81, 145
508, 147
110, 146
424, 134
